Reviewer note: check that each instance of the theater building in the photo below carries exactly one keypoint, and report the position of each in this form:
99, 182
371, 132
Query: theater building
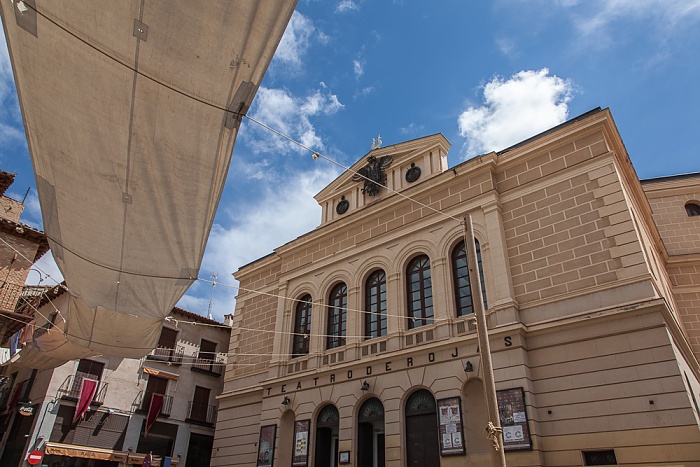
355, 344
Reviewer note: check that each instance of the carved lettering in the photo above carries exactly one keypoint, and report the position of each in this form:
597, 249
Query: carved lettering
387, 366
298, 385
315, 381
369, 370
409, 361
431, 357
508, 341
333, 378
455, 353
284, 388
349, 374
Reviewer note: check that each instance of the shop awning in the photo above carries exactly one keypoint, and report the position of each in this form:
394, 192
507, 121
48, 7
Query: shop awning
87, 452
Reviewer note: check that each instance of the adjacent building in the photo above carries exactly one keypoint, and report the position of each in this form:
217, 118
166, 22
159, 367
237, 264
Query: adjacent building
355, 344
173, 390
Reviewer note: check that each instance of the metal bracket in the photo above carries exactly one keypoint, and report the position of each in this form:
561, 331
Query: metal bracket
25, 15
240, 104
140, 30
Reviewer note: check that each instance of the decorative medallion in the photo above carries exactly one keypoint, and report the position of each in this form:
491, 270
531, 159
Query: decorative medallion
373, 174
342, 206
413, 173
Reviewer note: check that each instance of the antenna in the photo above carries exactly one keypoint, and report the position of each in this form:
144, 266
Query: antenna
214, 276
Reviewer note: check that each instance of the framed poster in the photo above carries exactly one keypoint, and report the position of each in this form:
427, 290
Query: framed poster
511, 410
266, 445
451, 429
344, 457
301, 443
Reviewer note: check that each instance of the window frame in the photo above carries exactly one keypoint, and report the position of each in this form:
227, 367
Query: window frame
336, 324
457, 270
375, 313
419, 281
302, 326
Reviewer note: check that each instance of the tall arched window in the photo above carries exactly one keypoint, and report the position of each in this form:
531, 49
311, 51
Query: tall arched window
375, 305
460, 275
302, 326
422, 446
337, 303
420, 292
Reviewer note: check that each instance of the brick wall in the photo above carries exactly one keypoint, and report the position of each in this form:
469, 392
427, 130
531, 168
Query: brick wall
10, 209
253, 333
13, 272
567, 224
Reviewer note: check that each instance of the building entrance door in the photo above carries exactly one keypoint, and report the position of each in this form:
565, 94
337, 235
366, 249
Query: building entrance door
370, 434
326, 451
422, 446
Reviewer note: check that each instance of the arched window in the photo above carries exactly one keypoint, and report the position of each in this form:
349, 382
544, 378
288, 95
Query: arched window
420, 292
375, 305
692, 209
327, 429
338, 302
302, 326
370, 434
460, 275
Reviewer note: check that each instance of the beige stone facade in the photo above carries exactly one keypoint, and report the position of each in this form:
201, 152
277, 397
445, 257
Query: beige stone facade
592, 283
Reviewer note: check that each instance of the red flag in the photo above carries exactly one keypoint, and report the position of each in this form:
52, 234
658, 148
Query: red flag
153, 411
88, 387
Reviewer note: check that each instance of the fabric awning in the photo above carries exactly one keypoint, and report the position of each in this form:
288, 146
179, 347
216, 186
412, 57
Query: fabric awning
161, 373
131, 112
85, 452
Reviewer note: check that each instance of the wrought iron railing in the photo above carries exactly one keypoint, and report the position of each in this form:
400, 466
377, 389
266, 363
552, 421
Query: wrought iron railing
143, 401
167, 354
70, 389
207, 365
201, 413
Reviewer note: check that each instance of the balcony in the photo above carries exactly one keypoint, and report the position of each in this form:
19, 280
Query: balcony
208, 366
201, 414
143, 400
70, 390
168, 355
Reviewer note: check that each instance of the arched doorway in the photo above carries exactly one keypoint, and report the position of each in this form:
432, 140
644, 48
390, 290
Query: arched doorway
370, 434
326, 453
422, 448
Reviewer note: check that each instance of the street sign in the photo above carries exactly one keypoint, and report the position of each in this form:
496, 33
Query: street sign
35, 457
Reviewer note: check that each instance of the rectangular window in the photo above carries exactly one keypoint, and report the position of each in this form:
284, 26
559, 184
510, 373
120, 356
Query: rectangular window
605, 457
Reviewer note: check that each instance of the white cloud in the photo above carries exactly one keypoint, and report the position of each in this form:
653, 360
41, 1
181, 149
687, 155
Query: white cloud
364, 92
358, 68
505, 46
514, 109
346, 5
290, 115
412, 129
296, 41
596, 17
280, 212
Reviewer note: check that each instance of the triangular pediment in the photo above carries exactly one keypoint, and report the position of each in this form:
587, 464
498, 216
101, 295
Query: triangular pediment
411, 162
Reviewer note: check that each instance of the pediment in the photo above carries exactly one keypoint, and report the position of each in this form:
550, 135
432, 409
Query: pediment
405, 164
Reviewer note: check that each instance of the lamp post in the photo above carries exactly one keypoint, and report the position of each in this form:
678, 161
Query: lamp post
498, 458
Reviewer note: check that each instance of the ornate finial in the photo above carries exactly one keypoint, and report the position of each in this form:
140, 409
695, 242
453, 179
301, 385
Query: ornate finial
376, 144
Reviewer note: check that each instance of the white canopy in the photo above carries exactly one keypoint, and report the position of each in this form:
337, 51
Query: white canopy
131, 111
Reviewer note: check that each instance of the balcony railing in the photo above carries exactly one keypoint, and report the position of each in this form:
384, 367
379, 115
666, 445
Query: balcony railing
143, 401
70, 389
167, 354
204, 414
207, 365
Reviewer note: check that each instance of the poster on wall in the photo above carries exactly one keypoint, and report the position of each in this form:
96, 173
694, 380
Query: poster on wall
301, 443
511, 409
266, 445
451, 426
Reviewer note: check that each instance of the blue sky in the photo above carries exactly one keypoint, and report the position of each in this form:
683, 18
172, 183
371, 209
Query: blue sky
485, 74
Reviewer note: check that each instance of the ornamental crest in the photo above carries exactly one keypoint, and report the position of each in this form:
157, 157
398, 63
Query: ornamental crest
373, 174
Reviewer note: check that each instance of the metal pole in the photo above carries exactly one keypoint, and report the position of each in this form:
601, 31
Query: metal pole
498, 458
